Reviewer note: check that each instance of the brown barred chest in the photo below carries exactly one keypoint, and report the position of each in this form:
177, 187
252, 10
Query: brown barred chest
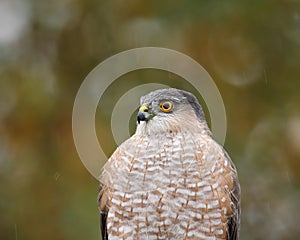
168, 190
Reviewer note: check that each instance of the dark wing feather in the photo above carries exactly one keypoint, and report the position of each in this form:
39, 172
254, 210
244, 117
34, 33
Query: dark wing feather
233, 224
103, 212
103, 229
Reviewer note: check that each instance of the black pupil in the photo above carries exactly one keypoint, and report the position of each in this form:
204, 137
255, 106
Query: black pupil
166, 105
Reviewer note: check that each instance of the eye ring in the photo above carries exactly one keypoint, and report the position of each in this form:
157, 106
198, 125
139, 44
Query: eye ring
166, 106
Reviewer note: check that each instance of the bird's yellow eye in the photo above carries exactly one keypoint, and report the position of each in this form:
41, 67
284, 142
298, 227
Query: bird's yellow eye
166, 106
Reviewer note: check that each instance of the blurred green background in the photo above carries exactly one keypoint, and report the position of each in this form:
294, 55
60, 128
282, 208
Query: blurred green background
250, 48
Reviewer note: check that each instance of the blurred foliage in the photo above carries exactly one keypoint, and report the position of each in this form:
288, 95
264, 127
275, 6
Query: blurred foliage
250, 48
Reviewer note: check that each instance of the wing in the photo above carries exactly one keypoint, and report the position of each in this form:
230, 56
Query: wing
102, 198
233, 224
105, 191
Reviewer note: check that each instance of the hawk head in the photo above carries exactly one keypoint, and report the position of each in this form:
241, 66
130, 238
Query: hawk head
170, 110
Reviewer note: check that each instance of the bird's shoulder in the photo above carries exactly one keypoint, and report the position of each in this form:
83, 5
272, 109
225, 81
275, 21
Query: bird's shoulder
222, 172
231, 188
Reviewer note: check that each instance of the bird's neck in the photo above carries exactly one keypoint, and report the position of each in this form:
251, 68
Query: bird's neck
170, 129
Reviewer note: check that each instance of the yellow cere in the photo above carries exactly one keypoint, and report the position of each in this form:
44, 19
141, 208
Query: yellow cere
144, 108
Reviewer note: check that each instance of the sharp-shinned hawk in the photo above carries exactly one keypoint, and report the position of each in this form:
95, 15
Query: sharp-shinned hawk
170, 180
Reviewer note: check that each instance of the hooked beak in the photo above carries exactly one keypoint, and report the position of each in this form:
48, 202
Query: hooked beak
143, 114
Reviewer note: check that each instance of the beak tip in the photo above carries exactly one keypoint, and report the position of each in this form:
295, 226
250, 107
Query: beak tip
141, 117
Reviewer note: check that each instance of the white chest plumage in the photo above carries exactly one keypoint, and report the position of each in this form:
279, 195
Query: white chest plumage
175, 186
